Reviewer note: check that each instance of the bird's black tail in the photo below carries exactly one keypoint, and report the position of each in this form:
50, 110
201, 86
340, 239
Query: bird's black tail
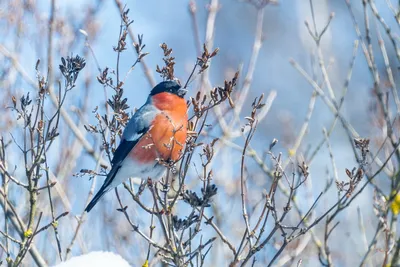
104, 188
96, 198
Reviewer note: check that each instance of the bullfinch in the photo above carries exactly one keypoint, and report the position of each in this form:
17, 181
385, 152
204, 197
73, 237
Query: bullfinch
156, 132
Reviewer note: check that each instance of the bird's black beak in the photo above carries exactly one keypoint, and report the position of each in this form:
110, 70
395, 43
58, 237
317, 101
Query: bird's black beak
182, 92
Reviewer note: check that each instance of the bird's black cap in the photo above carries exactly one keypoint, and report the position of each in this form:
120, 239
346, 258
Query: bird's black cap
169, 87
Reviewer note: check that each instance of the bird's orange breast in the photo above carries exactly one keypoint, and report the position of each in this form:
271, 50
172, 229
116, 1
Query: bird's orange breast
167, 135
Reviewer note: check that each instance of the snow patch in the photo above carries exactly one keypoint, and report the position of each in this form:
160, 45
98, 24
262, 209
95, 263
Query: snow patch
97, 258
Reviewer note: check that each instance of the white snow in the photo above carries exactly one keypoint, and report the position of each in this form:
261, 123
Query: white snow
96, 258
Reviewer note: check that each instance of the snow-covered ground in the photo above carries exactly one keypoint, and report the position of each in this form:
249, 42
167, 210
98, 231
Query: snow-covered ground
97, 258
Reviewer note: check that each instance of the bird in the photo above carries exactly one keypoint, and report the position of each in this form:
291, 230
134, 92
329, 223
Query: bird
156, 132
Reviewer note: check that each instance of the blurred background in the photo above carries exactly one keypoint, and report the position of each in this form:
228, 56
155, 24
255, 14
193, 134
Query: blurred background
296, 115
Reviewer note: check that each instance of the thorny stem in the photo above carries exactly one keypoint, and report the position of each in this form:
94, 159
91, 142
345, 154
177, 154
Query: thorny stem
243, 182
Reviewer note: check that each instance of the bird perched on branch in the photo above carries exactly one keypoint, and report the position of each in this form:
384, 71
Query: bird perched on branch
156, 132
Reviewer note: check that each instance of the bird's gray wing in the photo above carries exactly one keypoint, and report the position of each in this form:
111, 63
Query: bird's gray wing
137, 126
